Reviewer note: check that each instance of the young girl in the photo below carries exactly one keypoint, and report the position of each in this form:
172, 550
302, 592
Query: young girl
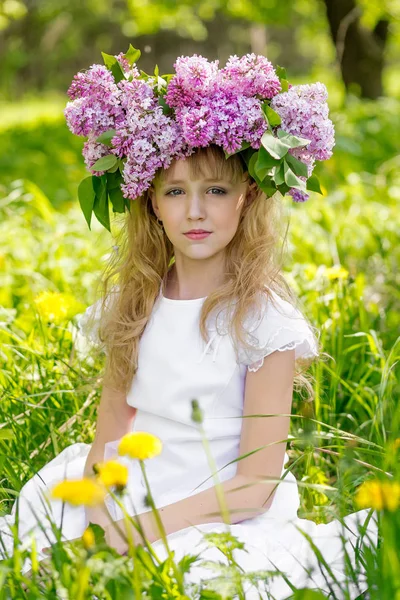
195, 307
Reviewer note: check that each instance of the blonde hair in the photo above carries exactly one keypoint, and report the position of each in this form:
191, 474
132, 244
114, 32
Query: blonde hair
145, 254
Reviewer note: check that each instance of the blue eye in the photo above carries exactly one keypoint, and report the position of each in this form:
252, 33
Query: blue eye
177, 190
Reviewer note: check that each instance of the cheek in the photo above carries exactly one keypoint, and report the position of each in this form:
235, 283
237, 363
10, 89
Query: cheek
228, 218
171, 216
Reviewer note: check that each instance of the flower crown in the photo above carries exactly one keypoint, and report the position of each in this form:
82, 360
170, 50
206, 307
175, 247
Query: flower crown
136, 123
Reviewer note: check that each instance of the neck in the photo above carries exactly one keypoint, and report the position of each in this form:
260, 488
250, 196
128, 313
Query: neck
189, 279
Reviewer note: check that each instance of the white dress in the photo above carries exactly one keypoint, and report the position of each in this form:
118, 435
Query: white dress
176, 366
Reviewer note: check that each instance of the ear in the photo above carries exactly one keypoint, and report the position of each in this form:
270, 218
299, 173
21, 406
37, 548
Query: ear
153, 198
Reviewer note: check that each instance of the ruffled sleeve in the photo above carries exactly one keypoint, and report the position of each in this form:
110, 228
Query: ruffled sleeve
281, 327
89, 322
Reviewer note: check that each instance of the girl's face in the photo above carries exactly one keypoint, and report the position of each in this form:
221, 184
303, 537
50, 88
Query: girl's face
184, 205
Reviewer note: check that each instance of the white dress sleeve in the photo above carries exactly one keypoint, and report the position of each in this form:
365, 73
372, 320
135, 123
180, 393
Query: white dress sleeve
89, 328
281, 327
89, 322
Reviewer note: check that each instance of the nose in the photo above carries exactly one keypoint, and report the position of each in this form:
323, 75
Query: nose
195, 206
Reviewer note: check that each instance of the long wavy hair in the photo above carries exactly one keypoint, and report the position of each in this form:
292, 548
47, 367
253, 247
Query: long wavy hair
130, 282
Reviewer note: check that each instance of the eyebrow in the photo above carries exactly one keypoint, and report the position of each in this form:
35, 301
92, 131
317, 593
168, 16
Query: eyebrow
174, 181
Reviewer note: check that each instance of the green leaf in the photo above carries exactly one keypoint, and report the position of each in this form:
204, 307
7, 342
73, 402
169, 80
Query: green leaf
313, 184
264, 163
244, 146
292, 180
296, 165
272, 117
283, 188
117, 200
156, 71
168, 77
109, 60
86, 195
284, 85
251, 165
293, 141
276, 147
281, 72
132, 55
100, 207
105, 162
6, 434
114, 180
266, 186
167, 110
279, 174
113, 169
113, 65
98, 532
106, 137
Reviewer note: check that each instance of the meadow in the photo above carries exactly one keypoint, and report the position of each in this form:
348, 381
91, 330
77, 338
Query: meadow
343, 262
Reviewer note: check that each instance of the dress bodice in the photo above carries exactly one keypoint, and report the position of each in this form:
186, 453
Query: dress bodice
176, 365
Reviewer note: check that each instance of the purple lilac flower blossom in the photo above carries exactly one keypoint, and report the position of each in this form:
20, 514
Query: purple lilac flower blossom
239, 119
195, 79
92, 151
94, 106
252, 74
209, 106
304, 112
198, 125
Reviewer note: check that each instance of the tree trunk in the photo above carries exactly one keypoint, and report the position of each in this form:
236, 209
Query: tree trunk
359, 51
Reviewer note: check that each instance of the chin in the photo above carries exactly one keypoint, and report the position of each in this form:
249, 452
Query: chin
200, 253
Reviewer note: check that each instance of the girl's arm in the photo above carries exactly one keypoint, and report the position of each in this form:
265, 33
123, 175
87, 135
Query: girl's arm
114, 419
268, 391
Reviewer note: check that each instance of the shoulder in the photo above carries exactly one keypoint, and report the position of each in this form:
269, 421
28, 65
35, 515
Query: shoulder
277, 326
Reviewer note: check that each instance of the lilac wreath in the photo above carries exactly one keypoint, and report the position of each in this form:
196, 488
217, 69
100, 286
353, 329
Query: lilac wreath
136, 123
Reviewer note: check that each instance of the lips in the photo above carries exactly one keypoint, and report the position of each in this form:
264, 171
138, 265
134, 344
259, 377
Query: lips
197, 234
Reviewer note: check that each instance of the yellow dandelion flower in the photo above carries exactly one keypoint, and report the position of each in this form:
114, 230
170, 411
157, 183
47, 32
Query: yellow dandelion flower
88, 538
54, 306
310, 271
391, 495
112, 473
369, 495
336, 272
140, 445
85, 491
379, 495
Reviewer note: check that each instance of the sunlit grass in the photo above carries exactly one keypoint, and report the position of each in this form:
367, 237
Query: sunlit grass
343, 257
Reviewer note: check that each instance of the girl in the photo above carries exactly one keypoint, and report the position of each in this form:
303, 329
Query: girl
195, 307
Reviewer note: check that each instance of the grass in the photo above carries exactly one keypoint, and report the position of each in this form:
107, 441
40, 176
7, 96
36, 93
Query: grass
49, 378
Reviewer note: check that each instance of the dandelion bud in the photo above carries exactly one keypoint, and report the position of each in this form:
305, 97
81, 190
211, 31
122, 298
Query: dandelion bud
197, 414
